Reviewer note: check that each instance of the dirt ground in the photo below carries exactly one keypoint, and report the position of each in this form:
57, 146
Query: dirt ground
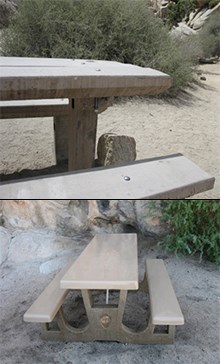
197, 341
189, 125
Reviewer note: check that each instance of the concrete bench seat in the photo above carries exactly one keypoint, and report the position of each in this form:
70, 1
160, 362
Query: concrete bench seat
46, 306
164, 307
172, 176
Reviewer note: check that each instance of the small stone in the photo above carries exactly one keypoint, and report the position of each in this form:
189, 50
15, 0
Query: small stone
203, 78
115, 149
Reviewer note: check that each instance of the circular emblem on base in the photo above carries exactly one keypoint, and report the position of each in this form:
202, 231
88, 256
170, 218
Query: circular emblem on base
105, 321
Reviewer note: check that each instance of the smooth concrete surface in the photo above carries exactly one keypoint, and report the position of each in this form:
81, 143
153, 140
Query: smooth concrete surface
172, 176
108, 262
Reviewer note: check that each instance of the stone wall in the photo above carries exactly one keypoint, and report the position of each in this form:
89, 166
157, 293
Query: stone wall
40, 229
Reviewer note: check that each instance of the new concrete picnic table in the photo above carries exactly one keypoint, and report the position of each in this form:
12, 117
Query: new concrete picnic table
110, 263
88, 84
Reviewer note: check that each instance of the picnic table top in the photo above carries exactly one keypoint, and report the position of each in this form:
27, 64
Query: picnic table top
108, 262
36, 78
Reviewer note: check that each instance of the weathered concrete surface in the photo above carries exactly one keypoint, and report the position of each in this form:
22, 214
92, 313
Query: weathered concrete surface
197, 288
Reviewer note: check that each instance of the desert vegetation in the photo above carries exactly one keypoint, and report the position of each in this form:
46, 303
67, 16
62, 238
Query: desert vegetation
194, 228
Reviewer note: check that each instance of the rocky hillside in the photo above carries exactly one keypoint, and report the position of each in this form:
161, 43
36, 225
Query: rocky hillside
195, 19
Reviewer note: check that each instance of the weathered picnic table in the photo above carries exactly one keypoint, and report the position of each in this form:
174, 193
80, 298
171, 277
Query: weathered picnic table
109, 262
79, 90
88, 84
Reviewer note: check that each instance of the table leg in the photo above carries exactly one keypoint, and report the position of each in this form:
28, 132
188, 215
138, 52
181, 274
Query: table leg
82, 126
60, 137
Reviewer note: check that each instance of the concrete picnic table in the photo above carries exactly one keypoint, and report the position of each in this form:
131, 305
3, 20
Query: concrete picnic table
109, 263
88, 84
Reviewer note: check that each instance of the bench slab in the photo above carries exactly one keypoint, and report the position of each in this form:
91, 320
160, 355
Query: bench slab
45, 307
172, 176
165, 309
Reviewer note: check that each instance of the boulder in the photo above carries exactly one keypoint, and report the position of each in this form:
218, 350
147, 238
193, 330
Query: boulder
70, 217
197, 19
142, 215
7, 9
39, 244
148, 217
5, 239
182, 31
115, 149
45, 230
63, 216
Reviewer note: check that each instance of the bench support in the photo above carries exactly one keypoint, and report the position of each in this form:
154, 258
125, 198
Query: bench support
105, 324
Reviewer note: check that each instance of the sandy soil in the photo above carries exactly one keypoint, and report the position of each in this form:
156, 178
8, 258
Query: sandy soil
188, 125
197, 341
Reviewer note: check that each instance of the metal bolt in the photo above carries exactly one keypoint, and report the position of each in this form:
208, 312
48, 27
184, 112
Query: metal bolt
127, 178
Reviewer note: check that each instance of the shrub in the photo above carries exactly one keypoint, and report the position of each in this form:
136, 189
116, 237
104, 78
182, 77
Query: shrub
120, 30
194, 227
179, 9
213, 3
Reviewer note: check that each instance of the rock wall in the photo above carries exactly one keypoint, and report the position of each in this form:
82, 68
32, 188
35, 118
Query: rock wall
40, 229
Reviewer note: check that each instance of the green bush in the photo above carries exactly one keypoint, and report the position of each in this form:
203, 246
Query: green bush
120, 30
178, 10
213, 3
194, 227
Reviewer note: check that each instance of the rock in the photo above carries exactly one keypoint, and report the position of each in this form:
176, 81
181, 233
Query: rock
199, 21
105, 216
38, 245
43, 229
200, 17
5, 239
181, 31
64, 216
142, 215
37, 233
7, 9
210, 60
115, 149
197, 14
52, 266
148, 217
